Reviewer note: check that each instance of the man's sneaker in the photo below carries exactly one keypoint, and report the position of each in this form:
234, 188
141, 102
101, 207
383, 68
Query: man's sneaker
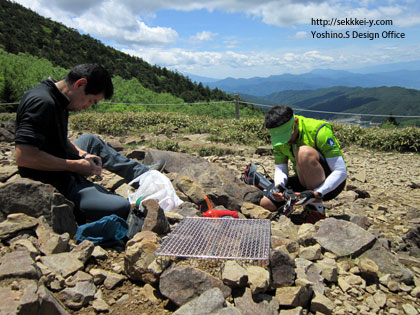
310, 214
319, 206
158, 166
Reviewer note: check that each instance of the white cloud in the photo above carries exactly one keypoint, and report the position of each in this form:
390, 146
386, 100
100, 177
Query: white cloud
204, 36
275, 12
108, 20
301, 35
177, 57
129, 24
136, 33
189, 61
122, 20
289, 13
251, 64
74, 6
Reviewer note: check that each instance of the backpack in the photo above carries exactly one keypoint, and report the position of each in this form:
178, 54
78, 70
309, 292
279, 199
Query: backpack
252, 177
135, 222
135, 219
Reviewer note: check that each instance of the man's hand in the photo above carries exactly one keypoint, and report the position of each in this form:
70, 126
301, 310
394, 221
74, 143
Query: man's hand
94, 158
307, 195
32, 157
277, 194
87, 166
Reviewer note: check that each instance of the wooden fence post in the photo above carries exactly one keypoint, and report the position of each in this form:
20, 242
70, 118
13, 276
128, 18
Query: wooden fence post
237, 106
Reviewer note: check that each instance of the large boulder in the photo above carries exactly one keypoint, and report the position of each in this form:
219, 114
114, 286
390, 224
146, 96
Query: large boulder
412, 241
207, 303
18, 264
37, 199
181, 284
15, 223
155, 220
343, 238
7, 130
28, 297
282, 268
388, 263
78, 296
139, 257
221, 185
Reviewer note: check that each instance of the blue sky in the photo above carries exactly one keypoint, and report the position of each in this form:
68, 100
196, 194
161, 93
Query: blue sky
245, 38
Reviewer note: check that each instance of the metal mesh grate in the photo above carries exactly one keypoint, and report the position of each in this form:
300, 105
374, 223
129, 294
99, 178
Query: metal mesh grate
218, 238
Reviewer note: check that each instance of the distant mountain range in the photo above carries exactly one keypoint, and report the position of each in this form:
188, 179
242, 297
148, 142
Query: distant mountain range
198, 79
317, 79
397, 101
378, 90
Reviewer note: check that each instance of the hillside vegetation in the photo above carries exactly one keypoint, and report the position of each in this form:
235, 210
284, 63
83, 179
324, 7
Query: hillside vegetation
246, 131
18, 73
24, 31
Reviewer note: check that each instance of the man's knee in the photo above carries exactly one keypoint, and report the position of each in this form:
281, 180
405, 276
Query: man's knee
124, 209
306, 154
88, 141
87, 138
267, 204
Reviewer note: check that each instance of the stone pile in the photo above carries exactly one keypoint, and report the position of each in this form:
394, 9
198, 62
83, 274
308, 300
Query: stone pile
361, 259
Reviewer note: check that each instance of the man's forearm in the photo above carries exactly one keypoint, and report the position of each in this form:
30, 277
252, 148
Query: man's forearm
337, 176
32, 157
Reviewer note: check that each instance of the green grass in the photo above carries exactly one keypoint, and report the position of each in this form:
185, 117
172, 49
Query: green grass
246, 131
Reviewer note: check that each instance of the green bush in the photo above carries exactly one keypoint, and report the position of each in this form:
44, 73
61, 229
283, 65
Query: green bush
394, 139
246, 131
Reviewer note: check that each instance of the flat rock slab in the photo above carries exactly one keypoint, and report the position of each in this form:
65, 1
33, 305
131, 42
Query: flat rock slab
207, 303
16, 222
65, 264
18, 264
181, 284
388, 263
343, 238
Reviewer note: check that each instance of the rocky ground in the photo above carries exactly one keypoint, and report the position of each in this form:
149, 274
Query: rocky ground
363, 259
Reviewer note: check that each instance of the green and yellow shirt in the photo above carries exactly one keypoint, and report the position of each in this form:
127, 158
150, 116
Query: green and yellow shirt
314, 133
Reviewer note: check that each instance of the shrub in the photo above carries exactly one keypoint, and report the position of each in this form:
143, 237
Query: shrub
246, 131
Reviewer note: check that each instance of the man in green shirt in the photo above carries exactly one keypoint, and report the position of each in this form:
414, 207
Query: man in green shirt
316, 157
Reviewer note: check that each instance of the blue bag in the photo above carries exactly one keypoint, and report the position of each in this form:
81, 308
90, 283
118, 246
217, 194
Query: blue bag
106, 231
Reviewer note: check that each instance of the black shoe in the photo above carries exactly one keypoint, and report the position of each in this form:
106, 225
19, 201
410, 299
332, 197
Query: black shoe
309, 215
158, 166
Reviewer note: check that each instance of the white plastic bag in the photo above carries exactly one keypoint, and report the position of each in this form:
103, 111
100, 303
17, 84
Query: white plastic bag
154, 185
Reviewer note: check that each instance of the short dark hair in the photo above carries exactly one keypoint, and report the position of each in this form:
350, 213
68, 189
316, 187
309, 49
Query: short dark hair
98, 79
277, 116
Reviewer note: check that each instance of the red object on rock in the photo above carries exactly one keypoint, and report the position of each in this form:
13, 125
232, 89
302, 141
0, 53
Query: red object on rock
212, 213
220, 213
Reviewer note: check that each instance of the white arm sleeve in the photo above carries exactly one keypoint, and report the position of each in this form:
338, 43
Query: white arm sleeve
337, 176
281, 171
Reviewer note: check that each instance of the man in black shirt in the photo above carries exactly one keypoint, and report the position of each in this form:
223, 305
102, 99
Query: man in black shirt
44, 152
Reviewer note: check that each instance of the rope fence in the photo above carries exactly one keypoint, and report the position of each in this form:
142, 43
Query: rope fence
237, 102
335, 113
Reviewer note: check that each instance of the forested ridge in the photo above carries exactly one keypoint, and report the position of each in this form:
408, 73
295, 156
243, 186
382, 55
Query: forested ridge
18, 73
24, 31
